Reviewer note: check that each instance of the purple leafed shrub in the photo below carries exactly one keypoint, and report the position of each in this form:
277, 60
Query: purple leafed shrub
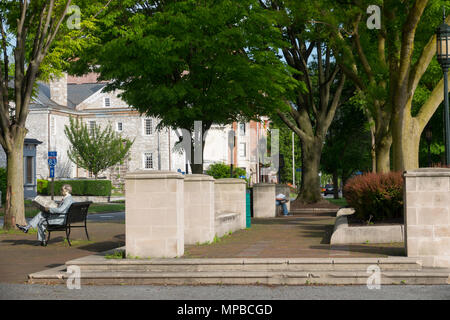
379, 195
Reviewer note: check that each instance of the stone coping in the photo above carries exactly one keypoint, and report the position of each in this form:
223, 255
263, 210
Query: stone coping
150, 174
198, 177
230, 181
428, 172
264, 185
343, 234
99, 259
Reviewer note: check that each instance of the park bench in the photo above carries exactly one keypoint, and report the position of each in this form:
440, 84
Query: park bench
77, 213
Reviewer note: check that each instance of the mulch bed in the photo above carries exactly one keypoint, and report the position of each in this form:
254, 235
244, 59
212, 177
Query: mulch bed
324, 204
357, 222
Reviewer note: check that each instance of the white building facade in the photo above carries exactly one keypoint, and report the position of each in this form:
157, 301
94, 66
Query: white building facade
85, 99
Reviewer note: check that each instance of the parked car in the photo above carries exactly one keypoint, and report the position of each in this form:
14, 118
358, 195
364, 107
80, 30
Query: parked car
329, 189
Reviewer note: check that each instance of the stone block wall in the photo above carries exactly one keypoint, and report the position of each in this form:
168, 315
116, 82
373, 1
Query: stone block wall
229, 197
154, 214
264, 200
427, 216
198, 209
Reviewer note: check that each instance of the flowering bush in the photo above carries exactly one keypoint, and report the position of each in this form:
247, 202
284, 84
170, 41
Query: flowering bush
379, 195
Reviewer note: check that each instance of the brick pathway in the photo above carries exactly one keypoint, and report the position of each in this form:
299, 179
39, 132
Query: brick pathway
296, 236
19, 256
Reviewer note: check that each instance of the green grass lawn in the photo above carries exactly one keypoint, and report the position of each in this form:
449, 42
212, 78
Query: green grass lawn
339, 202
31, 211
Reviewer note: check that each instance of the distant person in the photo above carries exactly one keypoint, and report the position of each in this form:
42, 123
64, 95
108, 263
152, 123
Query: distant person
281, 201
55, 216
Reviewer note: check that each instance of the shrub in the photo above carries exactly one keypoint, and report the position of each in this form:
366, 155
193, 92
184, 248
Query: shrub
3, 184
221, 171
379, 195
42, 186
79, 187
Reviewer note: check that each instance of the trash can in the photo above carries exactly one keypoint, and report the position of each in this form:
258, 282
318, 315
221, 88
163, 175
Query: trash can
248, 208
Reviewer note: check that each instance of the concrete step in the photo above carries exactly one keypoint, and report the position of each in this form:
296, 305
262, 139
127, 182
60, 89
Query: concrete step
98, 263
60, 276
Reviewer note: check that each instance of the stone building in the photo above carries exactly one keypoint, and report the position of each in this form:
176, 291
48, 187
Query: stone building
86, 99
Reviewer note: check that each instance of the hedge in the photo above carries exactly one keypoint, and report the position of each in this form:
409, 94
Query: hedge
376, 196
79, 187
221, 171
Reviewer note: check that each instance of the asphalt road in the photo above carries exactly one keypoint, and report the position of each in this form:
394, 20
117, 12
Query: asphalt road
398, 292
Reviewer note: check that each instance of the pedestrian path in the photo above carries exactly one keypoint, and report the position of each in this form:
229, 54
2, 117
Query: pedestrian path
302, 236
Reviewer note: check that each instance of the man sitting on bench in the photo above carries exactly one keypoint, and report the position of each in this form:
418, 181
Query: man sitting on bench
53, 215
281, 201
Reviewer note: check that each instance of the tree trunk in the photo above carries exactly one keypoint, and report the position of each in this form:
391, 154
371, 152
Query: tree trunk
382, 150
310, 184
15, 210
406, 139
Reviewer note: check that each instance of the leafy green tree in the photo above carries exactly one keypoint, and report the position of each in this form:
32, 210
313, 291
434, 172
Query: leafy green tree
221, 171
37, 34
285, 143
95, 149
313, 107
347, 145
186, 61
394, 68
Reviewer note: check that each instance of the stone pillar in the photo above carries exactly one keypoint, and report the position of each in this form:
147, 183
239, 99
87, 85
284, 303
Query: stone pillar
427, 216
264, 200
286, 190
229, 195
154, 219
198, 208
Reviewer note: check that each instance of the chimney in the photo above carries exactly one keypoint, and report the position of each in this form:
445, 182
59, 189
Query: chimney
58, 90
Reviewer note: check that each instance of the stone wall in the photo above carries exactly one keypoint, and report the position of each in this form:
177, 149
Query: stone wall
154, 219
229, 197
199, 217
427, 216
264, 200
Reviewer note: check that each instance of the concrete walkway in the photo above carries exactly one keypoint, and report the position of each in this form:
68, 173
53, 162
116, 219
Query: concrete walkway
296, 236
301, 236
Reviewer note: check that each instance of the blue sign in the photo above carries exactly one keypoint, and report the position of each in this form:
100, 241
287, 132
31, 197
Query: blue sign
52, 172
52, 158
298, 169
52, 162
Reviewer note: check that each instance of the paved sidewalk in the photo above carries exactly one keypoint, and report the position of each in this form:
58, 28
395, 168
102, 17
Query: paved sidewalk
299, 236
295, 236
19, 256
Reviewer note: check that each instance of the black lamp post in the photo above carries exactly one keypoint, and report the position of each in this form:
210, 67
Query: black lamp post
443, 57
428, 138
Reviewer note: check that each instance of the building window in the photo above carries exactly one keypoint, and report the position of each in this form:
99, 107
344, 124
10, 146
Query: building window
242, 129
119, 126
242, 150
148, 126
107, 102
148, 160
29, 173
92, 125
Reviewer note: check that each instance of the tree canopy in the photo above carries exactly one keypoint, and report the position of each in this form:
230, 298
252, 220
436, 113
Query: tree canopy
182, 61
